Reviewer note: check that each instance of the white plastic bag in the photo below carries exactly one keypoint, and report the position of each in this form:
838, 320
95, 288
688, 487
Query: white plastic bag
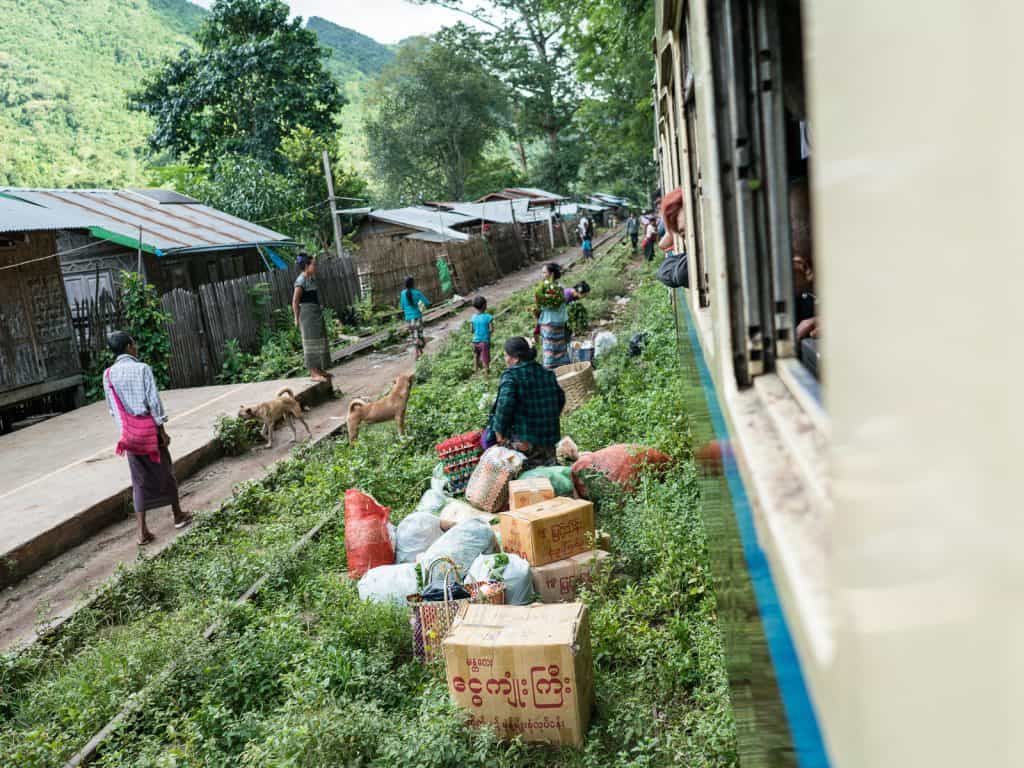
415, 535
388, 583
604, 343
431, 503
515, 573
464, 543
457, 511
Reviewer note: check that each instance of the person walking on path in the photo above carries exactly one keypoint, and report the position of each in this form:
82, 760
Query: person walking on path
588, 238
309, 319
483, 327
650, 239
135, 406
413, 303
633, 230
528, 408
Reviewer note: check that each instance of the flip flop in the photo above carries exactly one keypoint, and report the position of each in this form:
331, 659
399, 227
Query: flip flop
148, 540
184, 523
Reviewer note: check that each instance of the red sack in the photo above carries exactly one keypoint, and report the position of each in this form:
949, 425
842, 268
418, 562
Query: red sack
367, 543
619, 464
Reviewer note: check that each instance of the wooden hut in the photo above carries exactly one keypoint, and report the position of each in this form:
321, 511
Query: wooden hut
38, 354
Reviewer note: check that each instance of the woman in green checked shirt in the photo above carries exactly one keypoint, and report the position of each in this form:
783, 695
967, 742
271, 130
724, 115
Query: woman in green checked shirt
527, 412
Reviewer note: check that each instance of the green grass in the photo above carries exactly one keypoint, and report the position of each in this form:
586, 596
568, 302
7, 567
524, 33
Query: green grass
309, 675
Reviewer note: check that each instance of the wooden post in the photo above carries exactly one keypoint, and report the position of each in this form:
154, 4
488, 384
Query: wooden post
334, 203
139, 268
551, 226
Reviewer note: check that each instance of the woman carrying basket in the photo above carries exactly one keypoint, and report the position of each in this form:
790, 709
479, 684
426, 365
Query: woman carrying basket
309, 319
552, 318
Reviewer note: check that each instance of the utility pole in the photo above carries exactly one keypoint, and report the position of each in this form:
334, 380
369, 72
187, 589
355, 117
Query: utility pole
334, 203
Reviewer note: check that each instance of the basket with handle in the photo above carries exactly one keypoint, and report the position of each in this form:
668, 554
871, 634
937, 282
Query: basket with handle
430, 620
578, 382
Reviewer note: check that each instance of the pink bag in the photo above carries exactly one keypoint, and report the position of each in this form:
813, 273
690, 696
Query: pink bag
138, 433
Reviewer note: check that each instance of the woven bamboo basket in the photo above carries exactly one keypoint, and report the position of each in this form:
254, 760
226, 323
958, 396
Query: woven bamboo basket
578, 383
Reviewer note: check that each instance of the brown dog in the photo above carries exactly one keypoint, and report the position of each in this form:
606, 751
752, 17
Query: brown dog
284, 407
387, 408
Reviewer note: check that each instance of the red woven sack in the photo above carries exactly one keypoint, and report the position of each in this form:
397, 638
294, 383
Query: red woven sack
619, 464
367, 543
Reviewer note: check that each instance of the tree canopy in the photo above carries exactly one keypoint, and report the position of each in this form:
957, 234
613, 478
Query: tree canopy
255, 76
432, 115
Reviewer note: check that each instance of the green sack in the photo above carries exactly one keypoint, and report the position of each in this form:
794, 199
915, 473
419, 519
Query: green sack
560, 477
444, 276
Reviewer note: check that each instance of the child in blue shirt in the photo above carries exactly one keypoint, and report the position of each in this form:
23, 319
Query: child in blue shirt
483, 325
413, 303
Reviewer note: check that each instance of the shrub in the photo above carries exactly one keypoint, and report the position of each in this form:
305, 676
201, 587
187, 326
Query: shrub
235, 435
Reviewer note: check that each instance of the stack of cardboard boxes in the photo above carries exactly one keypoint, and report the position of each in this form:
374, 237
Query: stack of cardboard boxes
527, 670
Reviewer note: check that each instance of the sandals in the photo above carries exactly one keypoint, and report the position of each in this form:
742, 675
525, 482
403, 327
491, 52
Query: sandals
184, 523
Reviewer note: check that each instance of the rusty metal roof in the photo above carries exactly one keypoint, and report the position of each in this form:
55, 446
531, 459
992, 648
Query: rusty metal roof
169, 222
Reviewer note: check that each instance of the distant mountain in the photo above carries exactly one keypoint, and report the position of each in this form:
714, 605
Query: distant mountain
352, 53
66, 69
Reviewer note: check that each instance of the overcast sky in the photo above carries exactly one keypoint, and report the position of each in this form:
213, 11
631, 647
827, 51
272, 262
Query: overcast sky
386, 21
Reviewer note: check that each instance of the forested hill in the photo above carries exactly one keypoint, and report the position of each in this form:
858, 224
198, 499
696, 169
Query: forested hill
66, 69
352, 53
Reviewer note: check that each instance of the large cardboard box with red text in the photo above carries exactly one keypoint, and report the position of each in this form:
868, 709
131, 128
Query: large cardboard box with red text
557, 582
525, 670
551, 530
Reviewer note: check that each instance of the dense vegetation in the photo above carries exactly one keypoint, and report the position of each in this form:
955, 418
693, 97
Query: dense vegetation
352, 54
65, 84
311, 676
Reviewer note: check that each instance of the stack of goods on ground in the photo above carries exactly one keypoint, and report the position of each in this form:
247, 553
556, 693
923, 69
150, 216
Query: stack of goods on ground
475, 573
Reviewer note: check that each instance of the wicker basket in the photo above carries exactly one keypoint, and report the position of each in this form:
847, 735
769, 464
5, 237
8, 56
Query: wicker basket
578, 383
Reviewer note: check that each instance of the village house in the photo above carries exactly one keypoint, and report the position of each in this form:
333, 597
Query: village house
176, 241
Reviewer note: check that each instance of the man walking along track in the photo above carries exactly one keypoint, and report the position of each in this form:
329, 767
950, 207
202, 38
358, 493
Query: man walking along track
135, 405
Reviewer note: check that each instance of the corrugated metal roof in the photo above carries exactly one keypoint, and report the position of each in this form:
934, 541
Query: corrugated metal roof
502, 211
535, 192
175, 226
439, 223
613, 199
19, 216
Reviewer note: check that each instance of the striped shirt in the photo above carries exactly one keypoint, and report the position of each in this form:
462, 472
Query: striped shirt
136, 387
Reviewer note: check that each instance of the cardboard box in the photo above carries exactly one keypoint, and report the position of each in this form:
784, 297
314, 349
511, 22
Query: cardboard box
550, 531
525, 670
558, 582
532, 490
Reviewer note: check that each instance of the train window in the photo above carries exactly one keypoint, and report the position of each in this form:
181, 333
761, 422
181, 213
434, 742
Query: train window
695, 197
764, 151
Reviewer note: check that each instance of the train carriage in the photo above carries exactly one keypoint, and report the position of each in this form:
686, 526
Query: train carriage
850, 175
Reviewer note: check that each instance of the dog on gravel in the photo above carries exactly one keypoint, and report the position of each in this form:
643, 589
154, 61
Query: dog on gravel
284, 407
391, 407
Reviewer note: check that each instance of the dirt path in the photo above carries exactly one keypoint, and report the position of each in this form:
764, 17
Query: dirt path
53, 592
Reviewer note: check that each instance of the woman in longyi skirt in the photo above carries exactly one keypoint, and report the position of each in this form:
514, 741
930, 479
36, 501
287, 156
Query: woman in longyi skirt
309, 319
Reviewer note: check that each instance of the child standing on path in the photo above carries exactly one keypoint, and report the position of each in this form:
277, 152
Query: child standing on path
483, 326
413, 304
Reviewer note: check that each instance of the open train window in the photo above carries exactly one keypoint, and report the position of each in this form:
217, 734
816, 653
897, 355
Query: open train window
694, 196
764, 150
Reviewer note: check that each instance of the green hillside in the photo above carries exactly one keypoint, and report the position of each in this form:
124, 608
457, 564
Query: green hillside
352, 54
67, 67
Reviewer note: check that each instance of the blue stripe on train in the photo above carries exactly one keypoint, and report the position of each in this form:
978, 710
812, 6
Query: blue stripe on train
803, 722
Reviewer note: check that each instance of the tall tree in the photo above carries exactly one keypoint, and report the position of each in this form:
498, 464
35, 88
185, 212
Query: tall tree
432, 114
611, 40
255, 76
523, 43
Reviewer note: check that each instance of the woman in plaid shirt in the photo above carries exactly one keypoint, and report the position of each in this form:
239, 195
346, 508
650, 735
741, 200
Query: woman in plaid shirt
528, 409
